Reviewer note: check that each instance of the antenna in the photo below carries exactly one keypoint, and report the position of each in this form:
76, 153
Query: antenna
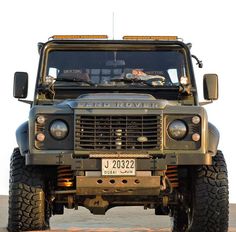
113, 25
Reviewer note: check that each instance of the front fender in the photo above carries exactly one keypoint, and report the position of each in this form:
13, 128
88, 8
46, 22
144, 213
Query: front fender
213, 139
22, 138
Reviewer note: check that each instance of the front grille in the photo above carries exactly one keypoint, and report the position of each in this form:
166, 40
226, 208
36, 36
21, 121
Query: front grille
118, 132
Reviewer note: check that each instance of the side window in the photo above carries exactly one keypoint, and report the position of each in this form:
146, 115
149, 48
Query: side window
173, 73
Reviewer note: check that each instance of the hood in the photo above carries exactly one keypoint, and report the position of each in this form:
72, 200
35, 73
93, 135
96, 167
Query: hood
117, 96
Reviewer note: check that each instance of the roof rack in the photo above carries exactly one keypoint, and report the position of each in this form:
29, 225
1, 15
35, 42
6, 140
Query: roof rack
144, 37
77, 37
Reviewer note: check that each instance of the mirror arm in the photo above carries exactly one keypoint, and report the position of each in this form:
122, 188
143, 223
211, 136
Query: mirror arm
25, 101
205, 103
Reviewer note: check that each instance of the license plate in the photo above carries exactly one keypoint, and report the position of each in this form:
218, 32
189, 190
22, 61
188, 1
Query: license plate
118, 167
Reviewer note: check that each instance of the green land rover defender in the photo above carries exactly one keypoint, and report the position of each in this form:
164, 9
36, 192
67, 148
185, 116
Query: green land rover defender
117, 123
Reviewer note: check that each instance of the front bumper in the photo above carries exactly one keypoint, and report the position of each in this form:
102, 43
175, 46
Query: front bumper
92, 164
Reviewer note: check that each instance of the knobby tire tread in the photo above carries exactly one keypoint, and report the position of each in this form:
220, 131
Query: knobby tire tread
26, 196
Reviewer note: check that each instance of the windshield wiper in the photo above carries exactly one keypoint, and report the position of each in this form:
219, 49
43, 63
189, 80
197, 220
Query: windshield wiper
73, 79
153, 82
47, 87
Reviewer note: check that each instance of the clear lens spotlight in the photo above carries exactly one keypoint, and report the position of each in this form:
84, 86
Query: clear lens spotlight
40, 119
196, 119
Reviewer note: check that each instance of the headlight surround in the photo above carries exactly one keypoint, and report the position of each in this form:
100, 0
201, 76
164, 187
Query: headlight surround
58, 129
177, 129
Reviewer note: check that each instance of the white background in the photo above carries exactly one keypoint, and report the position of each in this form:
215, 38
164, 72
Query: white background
208, 25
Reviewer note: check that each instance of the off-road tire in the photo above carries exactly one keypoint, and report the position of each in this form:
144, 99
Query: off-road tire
27, 206
209, 208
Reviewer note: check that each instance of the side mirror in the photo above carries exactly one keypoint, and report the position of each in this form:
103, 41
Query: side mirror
20, 88
210, 85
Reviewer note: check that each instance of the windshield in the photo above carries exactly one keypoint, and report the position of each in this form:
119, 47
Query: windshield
116, 68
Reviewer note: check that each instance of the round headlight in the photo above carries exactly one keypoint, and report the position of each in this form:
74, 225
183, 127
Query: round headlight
58, 129
177, 129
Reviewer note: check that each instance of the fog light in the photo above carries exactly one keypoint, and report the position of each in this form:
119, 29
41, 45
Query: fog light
196, 137
40, 137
